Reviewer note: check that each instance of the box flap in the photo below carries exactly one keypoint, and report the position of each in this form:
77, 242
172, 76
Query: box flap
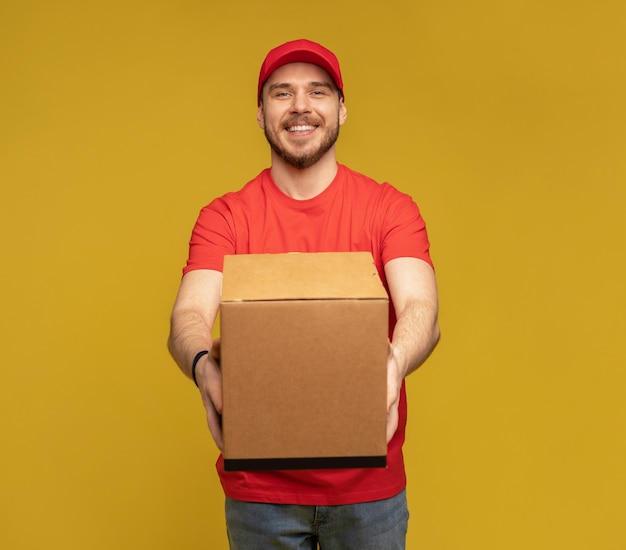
292, 276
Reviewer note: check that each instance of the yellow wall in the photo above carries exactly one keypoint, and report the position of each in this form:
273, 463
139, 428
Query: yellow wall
505, 120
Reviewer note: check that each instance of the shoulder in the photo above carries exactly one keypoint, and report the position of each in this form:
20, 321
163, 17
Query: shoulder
353, 176
382, 188
248, 194
380, 195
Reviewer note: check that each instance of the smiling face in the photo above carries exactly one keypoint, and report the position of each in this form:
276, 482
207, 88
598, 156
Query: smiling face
300, 112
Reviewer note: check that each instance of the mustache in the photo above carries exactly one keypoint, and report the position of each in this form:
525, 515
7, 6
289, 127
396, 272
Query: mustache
298, 120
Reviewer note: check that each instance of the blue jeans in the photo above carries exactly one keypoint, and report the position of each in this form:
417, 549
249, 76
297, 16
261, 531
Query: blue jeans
378, 525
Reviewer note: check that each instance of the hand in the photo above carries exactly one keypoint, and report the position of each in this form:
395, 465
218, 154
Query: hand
209, 379
395, 376
216, 351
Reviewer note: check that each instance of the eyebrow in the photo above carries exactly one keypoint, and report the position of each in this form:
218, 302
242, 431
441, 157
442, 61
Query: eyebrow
287, 85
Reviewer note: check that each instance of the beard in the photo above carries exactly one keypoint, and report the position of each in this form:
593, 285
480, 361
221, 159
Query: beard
302, 159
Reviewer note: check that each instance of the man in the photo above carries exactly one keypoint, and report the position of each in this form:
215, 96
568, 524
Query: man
307, 202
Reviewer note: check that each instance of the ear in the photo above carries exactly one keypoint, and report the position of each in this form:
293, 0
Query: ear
343, 112
260, 117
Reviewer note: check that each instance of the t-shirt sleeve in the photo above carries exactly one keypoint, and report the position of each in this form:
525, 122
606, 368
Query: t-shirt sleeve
212, 238
404, 230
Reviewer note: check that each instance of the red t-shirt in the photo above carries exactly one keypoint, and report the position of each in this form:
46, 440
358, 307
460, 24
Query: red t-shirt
354, 213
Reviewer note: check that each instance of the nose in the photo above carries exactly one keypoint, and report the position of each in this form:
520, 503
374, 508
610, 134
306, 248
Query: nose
300, 103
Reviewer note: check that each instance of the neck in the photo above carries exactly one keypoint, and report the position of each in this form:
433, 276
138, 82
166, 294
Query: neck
302, 184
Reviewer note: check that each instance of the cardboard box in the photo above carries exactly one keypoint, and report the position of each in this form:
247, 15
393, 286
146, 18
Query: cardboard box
304, 361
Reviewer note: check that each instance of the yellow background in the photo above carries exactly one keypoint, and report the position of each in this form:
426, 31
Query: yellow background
506, 122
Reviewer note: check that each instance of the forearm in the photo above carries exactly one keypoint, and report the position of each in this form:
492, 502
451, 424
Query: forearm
189, 334
415, 335
191, 327
193, 316
413, 291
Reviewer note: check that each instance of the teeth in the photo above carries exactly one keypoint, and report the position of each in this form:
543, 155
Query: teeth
300, 128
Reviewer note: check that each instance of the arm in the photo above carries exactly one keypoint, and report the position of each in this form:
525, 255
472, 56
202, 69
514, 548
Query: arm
413, 292
192, 320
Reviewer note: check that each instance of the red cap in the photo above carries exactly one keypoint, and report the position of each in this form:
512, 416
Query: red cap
300, 51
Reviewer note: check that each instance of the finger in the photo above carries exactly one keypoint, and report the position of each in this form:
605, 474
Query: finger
393, 391
392, 423
214, 392
214, 422
210, 383
392, 398
216, 350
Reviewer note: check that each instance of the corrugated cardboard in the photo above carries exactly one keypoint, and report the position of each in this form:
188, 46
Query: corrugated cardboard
304, 361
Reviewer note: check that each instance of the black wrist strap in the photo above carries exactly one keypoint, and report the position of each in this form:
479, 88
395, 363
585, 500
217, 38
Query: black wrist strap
197, 358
